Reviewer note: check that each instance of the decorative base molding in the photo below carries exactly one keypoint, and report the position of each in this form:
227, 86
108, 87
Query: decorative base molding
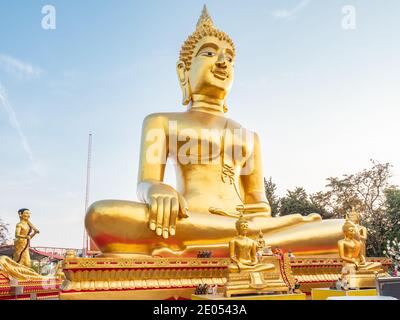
140, 278
177, 278
29, 289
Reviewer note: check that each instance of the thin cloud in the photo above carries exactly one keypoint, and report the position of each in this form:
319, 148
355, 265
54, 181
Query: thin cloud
13, 120
16, 66
290, 14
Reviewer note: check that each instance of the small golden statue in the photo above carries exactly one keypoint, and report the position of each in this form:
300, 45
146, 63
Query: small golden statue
13, 270
361, 231
246, 273
243, 251
24, 232
262, 247
19, 267
356, 271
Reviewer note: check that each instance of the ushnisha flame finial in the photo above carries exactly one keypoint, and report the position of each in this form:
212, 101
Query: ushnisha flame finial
205, 19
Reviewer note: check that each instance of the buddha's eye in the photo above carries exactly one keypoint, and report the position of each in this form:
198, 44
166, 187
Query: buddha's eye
208, 54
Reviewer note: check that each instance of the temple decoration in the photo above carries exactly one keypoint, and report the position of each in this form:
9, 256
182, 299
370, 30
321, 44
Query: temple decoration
13, 270
24, 232
356, 270
17, 279
323, 271
246, 273
137, 278
361, 231
19, 268
262, 247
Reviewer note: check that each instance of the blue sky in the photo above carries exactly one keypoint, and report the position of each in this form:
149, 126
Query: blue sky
324, 100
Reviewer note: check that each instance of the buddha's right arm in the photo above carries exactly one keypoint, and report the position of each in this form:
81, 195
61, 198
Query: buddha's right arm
164, 202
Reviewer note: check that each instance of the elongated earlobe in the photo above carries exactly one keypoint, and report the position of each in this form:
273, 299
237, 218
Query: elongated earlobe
184, 82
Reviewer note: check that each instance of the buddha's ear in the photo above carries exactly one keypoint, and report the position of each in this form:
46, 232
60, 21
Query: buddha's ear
183, 77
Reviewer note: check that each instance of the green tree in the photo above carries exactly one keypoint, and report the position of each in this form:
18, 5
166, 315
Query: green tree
273, 199
393, 211
298, 201
364, 190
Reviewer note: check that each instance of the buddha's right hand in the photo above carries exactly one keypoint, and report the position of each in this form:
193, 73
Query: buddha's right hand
166, 205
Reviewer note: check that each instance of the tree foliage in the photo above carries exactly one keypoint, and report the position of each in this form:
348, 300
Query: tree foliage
4, 235
369, 191
273, 199
393, 211
364, 190
298, 201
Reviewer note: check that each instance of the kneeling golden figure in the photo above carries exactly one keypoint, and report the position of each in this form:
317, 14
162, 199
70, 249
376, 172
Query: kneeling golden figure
218, 169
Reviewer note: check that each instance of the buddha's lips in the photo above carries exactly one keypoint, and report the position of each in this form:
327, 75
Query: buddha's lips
220, 74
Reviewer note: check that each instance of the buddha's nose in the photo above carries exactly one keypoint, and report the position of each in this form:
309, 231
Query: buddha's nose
221, 62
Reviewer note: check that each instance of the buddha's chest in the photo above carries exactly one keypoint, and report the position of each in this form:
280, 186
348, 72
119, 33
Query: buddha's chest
244, 247
202, 145
352, 247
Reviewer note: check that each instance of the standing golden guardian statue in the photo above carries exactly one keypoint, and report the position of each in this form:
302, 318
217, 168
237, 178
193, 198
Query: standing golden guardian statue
218, 168
20, 266
24, 232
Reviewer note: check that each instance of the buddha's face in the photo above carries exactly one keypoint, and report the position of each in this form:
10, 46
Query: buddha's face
211, 71
350, 232
243, 227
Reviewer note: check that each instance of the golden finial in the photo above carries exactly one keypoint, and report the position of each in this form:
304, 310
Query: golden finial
205, 19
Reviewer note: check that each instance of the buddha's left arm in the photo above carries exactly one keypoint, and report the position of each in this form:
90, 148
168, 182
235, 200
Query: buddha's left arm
252, 182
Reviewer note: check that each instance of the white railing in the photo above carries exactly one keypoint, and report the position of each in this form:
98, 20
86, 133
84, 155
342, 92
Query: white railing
58, 251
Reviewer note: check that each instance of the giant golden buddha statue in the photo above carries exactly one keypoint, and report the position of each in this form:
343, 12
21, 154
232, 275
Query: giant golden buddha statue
218, 168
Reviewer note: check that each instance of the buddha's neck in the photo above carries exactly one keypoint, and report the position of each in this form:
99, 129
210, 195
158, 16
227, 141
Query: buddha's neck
207, 104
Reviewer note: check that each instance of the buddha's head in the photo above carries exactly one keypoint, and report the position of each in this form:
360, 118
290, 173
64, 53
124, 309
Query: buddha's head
205, 66
242, 226
354, 216
24, 214
349, 229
